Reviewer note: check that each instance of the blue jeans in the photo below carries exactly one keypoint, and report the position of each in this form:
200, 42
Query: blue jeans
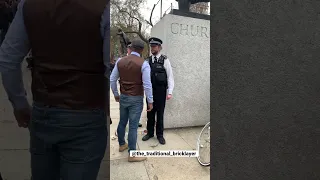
130, 110
66, 144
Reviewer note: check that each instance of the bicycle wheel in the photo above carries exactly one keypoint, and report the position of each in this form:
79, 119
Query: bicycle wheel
203, 146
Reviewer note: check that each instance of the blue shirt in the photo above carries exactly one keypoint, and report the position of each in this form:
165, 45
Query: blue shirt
16, 46
146, 79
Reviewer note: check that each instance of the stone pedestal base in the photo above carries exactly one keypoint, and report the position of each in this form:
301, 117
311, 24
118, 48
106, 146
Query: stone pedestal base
186, 42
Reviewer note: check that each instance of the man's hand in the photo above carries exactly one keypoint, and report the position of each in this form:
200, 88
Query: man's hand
150, 107
117, 98
169, 96
23, 117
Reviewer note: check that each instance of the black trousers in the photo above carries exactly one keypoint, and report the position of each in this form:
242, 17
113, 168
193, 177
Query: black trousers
159, 98
0, 177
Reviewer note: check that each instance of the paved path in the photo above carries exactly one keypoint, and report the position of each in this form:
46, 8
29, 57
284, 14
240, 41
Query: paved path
156, 168
15, 158
14, 141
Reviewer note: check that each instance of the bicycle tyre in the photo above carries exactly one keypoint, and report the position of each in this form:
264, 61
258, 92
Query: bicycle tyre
206, 127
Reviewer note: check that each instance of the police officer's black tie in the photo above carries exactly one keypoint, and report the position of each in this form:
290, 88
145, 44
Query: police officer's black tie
155, 59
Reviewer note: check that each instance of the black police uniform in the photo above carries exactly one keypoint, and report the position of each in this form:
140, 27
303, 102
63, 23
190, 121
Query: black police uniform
159, 88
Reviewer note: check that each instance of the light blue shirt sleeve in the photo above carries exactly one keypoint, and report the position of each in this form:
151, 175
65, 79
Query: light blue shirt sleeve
105, 32
146, 80
12, 52
114, 78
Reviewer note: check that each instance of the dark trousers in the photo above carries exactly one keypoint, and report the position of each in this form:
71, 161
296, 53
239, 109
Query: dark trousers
159, 98
0, 177
66, 144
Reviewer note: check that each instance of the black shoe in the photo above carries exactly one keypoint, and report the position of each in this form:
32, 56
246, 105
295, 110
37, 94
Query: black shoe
146, 137
140, 125
161, 140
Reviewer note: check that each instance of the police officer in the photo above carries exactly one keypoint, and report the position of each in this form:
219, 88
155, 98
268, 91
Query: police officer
162, 85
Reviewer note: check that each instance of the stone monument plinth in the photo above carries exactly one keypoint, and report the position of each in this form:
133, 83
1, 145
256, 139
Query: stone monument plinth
186, 42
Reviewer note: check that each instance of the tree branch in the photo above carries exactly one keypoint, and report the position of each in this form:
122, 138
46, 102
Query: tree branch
126, 12
150, 20
139, 34
141, 37
140, 24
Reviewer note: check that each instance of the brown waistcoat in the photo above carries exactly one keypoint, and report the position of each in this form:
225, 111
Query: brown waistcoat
66, 45
130, 75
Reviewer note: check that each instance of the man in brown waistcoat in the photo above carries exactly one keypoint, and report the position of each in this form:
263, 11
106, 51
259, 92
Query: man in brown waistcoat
70, 49
134, 74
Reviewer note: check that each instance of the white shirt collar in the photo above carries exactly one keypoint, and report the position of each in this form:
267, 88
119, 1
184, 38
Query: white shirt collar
135, 53
158, 56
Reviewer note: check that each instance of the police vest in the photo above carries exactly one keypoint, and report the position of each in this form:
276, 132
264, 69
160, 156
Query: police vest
158, 72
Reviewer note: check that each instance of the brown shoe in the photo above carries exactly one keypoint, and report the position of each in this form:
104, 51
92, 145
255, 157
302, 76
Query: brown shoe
136, 159
123, 147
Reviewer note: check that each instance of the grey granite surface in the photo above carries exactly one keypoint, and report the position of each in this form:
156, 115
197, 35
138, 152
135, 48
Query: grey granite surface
186, 42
